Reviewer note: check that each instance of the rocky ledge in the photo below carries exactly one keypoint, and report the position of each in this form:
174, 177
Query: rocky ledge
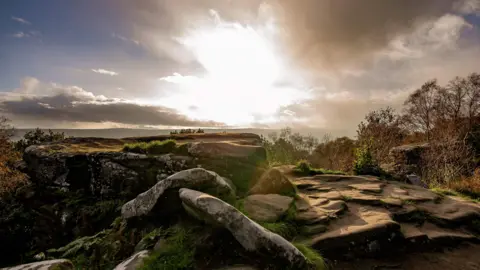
213, 204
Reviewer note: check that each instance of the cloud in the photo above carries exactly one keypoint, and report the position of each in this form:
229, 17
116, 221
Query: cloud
105, 72
53, 103
123, 38
27, 34
20, 20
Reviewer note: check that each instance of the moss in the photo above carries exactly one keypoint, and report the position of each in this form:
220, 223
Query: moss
303, 168
151, 148
149, 240
346, 198
313, 257
285, 229
177, 253
449, 192
286, 226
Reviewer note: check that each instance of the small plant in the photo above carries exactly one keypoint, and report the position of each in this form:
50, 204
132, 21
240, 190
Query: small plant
151, 148
313, 257
365, 164
177, 253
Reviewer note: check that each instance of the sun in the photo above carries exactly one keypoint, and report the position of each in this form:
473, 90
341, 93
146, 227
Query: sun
232, 52
242, 71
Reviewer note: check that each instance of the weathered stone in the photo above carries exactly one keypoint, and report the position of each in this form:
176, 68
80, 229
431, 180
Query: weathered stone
224, 149
267, 207
133, 262
249, 234
313, 229
273, 182
359, 225
45, 265
192, 178
451, 211
369, 187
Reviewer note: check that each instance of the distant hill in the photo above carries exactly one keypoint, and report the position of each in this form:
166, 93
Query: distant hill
125, 132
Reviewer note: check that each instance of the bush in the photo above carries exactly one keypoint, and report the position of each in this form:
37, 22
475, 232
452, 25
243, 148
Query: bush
10, 178
151, 148
38, 136
365, 164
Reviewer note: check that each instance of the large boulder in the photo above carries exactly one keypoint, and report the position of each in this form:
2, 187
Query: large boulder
268, 207
405, 160
45, 265
273, 181
193, 178
249, 234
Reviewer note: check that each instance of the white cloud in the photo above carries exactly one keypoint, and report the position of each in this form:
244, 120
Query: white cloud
28, 34
20, 35
21, 20
123, 38
180, 79
105, 72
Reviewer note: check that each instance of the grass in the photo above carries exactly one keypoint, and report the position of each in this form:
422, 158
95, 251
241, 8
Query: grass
285, 227
151, 148
313, 257
177, 253
450, 192
304, 168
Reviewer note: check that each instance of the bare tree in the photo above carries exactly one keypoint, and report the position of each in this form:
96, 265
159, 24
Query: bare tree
420, 107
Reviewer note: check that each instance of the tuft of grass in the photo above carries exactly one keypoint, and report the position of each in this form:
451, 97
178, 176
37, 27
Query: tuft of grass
313, 257
151, 148
286, 227
177, 253
450, 192
304, 168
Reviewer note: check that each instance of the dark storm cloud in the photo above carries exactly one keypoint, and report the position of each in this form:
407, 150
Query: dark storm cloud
73, 104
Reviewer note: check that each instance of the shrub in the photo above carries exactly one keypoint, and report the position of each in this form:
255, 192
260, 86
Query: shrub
365, 164
10, 178
38, 136
151, 148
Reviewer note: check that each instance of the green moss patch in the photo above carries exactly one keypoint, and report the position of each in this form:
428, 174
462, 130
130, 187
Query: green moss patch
177, 252
151, 148
313, 257
449, 192
303, 168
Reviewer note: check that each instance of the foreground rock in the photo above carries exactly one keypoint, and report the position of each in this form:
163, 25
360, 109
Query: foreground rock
44, 265
193, 178
273, 181
346, 215
249, 234
267, 208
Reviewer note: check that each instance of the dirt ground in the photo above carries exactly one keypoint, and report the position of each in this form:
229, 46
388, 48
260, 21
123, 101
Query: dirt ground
465, 257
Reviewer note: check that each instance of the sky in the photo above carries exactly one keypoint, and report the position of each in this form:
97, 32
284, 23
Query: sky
215, 63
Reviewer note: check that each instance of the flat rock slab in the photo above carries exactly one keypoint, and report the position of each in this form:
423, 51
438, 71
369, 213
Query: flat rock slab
451, 211
133, 262
439, 235
60, 264
267, 207
193, 178
249, 234
369, 187
359, 224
